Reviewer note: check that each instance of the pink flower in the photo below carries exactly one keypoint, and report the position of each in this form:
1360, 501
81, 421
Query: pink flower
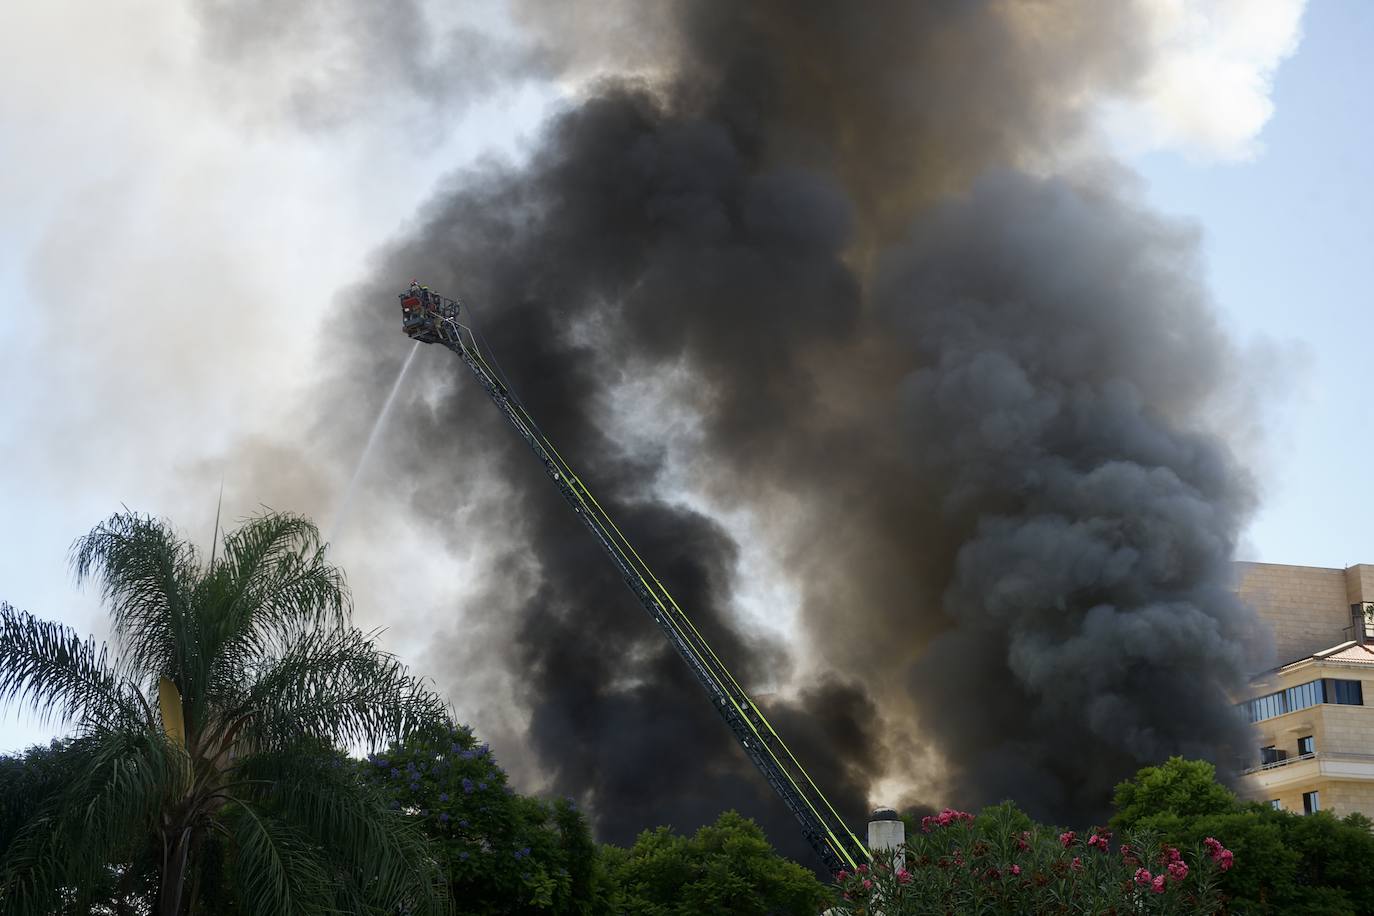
1178, 870
1220, 854
1157, 885
1171, 855
1143, 877
868, 885
862, 869
944, 819
1021, 842
1016, 869
1076, 864
903, 876
842, 876
1098, 841
1066, 839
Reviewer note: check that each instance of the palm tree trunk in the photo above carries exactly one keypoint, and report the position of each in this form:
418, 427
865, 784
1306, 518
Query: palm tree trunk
174, 875
197, 840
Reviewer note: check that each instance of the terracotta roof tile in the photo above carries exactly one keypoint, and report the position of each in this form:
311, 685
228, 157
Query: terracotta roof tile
1356, 653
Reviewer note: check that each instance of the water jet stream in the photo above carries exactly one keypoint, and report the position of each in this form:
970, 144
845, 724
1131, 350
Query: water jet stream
341, 514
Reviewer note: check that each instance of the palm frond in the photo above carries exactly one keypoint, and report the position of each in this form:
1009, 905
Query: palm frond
147, 574
277, 871
129, 780
383, 859
276, 563
271, 582
60, 675
335, 686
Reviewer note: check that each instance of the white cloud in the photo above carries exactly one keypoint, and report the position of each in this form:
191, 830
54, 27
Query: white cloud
1207, 88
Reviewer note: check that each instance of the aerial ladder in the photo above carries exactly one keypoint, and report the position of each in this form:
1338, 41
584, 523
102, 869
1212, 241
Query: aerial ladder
430, 318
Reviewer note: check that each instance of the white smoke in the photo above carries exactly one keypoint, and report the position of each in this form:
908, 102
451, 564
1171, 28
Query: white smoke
1208, 88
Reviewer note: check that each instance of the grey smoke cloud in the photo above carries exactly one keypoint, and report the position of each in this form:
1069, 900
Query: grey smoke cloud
1064, 359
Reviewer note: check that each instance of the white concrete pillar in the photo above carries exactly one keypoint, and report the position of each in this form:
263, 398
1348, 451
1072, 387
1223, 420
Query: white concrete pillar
886, 831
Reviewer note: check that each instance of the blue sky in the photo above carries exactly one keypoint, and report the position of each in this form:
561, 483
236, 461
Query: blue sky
222, 202
1287, 245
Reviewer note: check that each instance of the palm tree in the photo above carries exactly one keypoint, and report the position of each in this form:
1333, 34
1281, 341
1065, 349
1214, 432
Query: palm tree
205, 757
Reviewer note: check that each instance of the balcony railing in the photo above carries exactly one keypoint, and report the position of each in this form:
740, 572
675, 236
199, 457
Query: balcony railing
1328, 755
1282, 762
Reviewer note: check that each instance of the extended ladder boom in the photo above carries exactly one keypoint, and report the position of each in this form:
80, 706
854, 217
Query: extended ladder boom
430, 318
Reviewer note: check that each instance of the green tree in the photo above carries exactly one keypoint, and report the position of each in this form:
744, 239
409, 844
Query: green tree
203, 748
28, 782
502, 852
1178, 788
727, 868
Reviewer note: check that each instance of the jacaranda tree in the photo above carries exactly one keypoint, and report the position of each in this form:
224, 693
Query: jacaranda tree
503, 852
206, 748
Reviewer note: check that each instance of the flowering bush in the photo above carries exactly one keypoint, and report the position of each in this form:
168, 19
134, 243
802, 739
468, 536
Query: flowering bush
998, 862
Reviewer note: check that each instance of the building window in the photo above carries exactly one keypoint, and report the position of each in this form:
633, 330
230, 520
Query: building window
1266, 707
1347, 693
1305, 746
1310, 803
1326, 690
1304, 695
1275, 804
1271, 754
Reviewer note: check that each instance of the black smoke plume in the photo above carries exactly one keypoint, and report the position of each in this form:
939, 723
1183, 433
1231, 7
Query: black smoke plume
802, 256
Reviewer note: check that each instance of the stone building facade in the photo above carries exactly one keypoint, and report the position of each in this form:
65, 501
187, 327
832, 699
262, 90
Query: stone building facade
1313, 712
